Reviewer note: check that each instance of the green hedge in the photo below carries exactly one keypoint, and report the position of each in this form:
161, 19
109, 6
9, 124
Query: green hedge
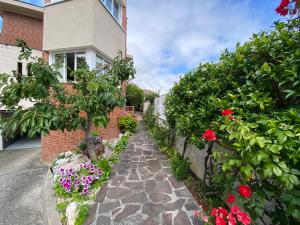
260, 82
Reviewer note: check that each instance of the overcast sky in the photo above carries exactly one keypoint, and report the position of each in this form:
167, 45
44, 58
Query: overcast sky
167, 38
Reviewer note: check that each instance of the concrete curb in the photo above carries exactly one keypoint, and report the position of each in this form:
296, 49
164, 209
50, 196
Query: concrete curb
51, 216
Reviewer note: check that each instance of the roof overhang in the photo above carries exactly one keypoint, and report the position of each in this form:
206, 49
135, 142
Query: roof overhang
21, 8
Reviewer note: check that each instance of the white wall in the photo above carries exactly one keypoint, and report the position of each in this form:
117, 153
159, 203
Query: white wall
9, 58
8, 62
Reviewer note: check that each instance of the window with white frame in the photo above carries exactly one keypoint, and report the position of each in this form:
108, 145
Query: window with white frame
69, 62
102, 65
114, 7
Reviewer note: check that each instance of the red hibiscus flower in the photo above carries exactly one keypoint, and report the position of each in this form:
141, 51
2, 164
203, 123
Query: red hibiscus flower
230, 199
214, 212
223, 212
244, 218
235, 209
227, 112
220, 221
245, 191
209, 135
231, 219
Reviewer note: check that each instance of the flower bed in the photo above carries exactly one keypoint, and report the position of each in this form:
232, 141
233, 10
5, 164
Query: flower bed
77, 180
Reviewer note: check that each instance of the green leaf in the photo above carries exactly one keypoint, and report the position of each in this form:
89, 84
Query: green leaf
294, 171
281, 138
261, 141
277, 171
294, 179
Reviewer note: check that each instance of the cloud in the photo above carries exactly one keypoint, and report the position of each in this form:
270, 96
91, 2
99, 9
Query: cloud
168, 38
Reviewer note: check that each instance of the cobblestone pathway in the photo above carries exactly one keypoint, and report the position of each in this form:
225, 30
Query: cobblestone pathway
142, 190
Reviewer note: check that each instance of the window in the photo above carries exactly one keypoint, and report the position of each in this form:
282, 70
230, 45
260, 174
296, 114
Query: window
116, 10
109, 4
29, 70
1, 24
20, 68
69, 62
102, 65
114, 7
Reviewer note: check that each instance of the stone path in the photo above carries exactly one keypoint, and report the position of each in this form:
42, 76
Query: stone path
142, 190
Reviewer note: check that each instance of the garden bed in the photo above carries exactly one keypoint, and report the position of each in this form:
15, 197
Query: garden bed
77, 180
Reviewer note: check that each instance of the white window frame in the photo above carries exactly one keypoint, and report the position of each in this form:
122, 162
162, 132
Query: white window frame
105, 61
64, 68
119, 20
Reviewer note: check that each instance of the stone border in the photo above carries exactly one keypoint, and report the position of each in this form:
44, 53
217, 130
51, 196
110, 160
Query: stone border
51, 216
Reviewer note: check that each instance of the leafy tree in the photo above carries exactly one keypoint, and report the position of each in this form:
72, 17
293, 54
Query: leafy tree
134, 96
90, 100
151, 96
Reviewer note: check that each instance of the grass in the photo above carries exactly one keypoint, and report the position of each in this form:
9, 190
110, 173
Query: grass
82, 214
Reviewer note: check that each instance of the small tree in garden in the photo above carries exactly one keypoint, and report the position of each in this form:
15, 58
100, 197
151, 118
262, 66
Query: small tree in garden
134, 96
89, 102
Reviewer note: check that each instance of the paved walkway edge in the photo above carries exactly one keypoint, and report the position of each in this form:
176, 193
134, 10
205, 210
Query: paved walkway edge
51, 216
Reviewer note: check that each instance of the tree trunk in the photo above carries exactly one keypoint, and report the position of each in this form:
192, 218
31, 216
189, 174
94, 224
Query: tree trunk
89, 143
209, 152
185, 145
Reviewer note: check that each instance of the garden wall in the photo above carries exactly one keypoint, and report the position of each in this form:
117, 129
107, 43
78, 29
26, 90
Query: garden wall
57, 141
195, 155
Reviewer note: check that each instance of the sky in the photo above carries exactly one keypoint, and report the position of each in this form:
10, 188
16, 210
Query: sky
168, 38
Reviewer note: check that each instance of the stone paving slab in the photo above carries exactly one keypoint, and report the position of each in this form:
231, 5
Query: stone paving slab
142, 190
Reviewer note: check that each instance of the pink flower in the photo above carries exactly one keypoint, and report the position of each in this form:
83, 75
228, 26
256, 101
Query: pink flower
230, 199
231, 219
197, 213
220, 221
204, 219
223, 212
244, 218
235, 209
214, 212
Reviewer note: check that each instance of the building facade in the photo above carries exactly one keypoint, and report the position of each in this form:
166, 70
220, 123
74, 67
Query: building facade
67, 30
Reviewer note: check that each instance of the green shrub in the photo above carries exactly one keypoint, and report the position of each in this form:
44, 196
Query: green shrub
180, 167
149, 117
127, 124
259, 82
83, 213
122, 143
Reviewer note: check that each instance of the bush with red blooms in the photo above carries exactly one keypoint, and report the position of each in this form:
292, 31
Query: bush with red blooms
290, 7
249, 100
222, 216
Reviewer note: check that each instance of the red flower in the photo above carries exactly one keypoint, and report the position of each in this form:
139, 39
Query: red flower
244, 218
227, 112
223, 212
245, 191
231, 117
230, 199
197, 213
231, 219
282, 8
235, 209
220, 221
214, 212
209, 135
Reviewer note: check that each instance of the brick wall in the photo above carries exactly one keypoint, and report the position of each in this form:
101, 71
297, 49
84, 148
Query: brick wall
19, 26
57, 141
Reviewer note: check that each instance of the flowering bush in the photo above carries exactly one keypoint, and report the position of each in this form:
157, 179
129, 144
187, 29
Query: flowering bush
250, 102
79, 181
222, 216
